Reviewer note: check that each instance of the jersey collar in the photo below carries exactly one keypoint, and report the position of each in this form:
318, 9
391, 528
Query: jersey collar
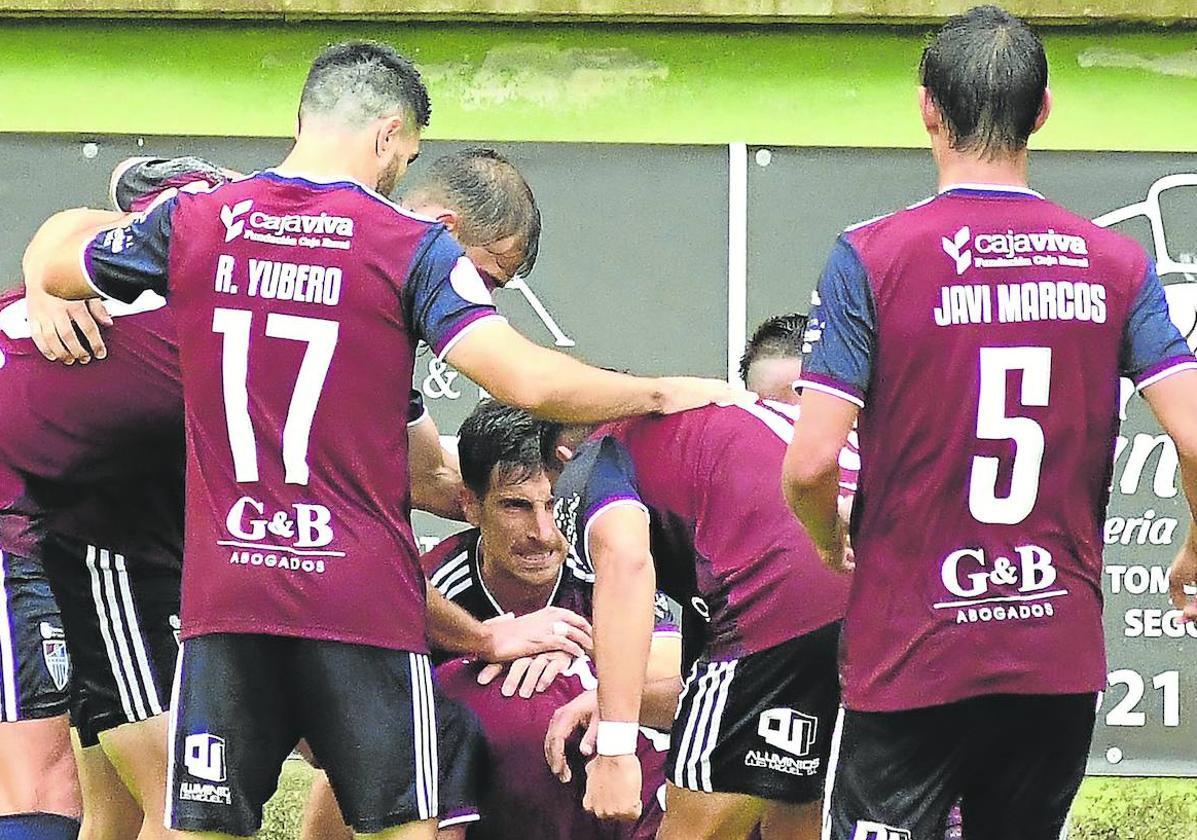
989, 189
489, 597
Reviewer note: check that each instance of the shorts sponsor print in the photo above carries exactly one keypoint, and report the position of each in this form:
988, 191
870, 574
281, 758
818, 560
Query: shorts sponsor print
242, 702
760, 725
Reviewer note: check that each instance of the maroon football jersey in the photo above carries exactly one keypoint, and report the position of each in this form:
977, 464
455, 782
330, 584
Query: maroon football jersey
93, 452
725, 544
298, 305
524, 799
983, 333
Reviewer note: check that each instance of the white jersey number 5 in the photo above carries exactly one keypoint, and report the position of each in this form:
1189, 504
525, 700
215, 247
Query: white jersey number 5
1035, 363
321, 337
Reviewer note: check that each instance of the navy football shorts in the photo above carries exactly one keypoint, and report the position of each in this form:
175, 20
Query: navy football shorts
35, 669
394, 749
1014, 763
760, 725
122, 625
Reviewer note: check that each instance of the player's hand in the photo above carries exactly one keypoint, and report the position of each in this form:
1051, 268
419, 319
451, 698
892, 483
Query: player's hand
839, 556
579, 713
681, 393
551, 628
53, 321
1183, 576
613, 787
528, 675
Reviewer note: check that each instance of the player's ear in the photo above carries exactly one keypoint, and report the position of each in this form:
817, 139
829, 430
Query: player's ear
1045, 108
932, 118
471, 506
389, 131
449, 219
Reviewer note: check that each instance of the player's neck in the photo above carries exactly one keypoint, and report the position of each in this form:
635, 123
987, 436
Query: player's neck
323, 158
511, 594
1007, 171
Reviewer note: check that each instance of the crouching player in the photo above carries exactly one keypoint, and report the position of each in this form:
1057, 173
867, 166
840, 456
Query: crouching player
514, 562
690, 505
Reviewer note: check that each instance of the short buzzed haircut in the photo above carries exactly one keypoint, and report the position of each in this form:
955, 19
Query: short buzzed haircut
499, 440
490, 196
357, 82
987, 73
780, 337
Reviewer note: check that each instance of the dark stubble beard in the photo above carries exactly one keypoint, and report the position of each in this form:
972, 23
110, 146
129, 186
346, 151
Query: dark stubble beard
389, 177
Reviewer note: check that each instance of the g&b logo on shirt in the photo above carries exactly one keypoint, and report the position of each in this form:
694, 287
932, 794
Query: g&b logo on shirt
1023, 584
869, 830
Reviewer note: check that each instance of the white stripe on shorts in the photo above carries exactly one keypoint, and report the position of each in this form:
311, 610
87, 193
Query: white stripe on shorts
692, 768
829, 782
143, 661
728, 673
98, 598
10, 710
424, 729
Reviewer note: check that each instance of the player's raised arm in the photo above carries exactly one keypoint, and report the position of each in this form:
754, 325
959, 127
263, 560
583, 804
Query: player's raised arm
558, 387
53, 273
83, 253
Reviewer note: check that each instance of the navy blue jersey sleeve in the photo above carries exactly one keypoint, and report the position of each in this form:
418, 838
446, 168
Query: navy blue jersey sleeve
123, 262
838, 345
444, 294
599, 477
1152, 346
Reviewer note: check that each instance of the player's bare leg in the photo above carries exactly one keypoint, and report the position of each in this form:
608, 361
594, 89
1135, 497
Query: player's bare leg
138, 752
322, 818
690, 815
783, 821
37, 773
109, 811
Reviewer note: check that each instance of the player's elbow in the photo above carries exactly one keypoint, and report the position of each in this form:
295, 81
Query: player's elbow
805, 471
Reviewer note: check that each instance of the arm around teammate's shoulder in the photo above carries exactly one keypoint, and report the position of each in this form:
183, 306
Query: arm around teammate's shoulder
558, 387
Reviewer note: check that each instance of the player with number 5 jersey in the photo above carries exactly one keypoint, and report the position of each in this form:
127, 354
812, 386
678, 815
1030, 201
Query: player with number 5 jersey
300, 294
980, 335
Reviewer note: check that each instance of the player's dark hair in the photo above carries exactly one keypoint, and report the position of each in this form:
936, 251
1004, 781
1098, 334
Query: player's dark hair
490, 196
987, 73
779, 337
498, 437
357, 82
549, 433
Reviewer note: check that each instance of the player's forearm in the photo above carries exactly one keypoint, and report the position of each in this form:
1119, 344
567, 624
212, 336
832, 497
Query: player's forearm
566, 390
438, 492
52, 261
623, 621
450, 628
812, 492
658, 702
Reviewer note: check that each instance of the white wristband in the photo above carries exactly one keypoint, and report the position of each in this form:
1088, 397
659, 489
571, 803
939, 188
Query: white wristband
617, 737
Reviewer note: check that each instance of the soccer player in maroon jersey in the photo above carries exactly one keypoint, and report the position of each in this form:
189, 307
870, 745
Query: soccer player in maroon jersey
980, 336
311, 290
772, 359
686, 504
107, 512
514, 562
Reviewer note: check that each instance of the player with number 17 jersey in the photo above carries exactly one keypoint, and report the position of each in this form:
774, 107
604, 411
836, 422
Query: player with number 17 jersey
298, 306
309, 299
